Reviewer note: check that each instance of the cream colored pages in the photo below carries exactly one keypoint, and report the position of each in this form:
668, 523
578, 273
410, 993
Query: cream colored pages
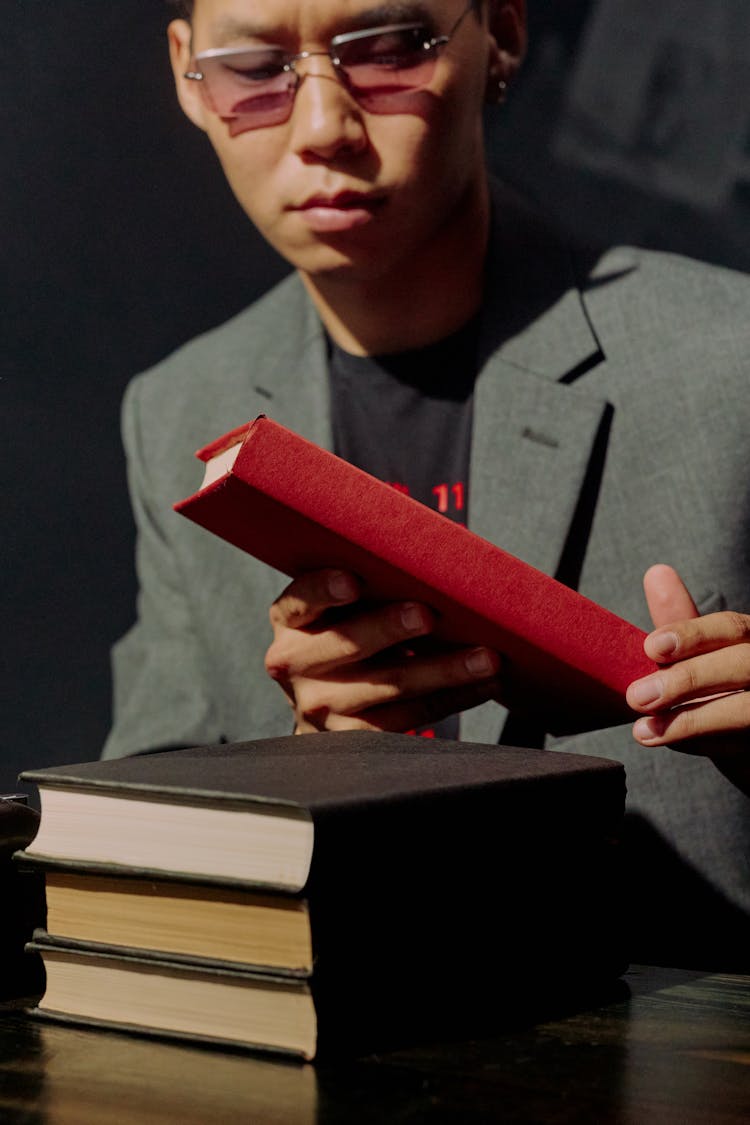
254, 844
220, 465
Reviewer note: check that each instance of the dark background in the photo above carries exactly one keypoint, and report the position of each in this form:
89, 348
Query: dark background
631, 122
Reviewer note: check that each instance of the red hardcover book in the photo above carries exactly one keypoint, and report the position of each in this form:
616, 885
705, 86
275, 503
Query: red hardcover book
298, 507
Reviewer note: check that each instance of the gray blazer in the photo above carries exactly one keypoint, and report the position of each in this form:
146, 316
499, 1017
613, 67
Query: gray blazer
611, 424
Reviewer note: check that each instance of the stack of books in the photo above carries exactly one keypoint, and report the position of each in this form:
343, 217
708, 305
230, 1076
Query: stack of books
344, 889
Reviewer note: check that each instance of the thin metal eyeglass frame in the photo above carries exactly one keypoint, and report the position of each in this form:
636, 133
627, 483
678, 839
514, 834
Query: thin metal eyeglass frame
289, 67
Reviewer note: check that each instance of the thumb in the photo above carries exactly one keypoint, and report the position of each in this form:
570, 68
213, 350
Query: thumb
667, 596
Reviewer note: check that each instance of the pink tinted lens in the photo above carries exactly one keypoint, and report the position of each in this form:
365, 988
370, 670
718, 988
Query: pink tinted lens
385, 70
394, 92
246, 92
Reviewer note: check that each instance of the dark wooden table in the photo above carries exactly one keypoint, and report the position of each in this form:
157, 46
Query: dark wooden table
667, 1046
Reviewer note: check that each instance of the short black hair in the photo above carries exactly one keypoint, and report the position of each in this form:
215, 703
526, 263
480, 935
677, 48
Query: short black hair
185, 7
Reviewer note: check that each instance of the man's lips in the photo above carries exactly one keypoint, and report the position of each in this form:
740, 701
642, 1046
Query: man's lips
342, 200
342, 211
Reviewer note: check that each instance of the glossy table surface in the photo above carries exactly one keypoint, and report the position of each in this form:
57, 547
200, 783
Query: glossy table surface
665, 1045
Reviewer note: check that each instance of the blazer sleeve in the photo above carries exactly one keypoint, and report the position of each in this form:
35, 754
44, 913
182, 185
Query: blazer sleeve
160, 695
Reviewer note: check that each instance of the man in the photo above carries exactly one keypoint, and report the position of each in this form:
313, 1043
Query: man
589, 411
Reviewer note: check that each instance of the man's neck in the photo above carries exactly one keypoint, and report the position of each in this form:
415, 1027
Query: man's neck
428, 299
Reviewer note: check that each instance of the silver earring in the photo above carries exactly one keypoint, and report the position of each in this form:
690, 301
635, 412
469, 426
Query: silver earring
496, 91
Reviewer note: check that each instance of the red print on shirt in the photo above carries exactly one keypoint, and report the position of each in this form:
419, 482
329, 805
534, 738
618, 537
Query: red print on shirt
446, 495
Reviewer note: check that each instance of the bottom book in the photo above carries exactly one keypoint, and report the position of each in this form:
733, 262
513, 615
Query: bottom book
375, 1009
223, 1006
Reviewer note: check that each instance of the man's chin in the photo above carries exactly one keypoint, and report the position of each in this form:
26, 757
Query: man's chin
340, 268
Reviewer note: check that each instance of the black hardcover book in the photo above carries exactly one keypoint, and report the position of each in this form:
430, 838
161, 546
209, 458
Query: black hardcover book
441, 879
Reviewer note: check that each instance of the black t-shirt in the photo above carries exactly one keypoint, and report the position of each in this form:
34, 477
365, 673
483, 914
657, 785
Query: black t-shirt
406, 418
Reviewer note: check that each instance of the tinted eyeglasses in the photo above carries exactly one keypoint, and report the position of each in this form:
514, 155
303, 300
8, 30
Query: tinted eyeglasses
381, 67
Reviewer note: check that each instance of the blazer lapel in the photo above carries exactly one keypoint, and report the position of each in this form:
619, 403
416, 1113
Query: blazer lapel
295, 373
534, 431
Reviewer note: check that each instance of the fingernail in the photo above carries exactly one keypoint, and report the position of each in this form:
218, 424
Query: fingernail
341, 587
411, 618
663, 645
649, 729
646, 692
479, 662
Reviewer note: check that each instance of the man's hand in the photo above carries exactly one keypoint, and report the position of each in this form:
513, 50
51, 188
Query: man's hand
344, 666
699, 700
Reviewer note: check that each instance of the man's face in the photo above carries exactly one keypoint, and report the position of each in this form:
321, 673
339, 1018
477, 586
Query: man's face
337, 189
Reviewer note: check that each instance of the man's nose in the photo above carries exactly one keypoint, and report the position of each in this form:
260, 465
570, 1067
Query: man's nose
326, 119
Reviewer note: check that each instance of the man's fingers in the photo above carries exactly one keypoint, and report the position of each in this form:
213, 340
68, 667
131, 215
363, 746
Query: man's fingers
352, 693
725, 670
699, 701
684, 639
308, 597
315, 651
667, 596
698, 728
409, 714
716, 729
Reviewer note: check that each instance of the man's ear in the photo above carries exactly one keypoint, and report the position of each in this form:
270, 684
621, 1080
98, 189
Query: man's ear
179, 35
506, 24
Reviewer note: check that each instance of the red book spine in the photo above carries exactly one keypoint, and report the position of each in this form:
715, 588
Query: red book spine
298, 507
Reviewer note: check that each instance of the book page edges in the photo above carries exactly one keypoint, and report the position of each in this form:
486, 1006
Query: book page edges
144, 1008
266, 850
220, 455
227, 441
220, 465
